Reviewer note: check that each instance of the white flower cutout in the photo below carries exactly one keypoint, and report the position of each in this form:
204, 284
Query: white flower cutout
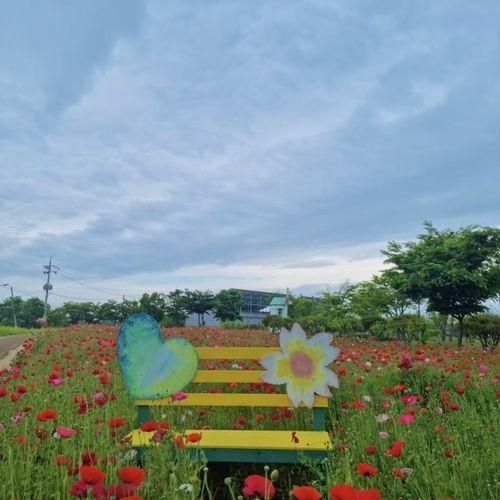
302, 365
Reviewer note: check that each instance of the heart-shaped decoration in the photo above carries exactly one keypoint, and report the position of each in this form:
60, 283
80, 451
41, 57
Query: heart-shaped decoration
153, 367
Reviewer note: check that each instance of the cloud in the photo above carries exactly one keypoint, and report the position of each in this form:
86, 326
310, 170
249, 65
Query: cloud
198, 141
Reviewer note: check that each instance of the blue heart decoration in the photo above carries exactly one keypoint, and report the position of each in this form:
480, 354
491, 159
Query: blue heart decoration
153, 367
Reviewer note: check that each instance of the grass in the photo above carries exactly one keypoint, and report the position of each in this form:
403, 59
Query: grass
451, 450
11, 330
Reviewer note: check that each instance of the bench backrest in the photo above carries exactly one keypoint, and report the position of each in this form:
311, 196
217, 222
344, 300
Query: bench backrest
236, 376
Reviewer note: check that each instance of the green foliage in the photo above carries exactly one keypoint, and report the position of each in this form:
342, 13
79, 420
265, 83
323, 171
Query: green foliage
313, 324
484, 327
154, 304
276, 323
410, 328
456, 271
27, 311
176, 308
199, 303
343, 326
227, 305
300, 307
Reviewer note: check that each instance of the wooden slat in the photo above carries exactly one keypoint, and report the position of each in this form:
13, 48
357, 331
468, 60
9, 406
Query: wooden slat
247, 440
250, 400
221, 376
235, 353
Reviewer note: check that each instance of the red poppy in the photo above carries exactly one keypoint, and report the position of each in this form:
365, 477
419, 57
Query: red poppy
89, 458
306, 493
370, 450
3, 391
396, 449
45, 415
91, 474
131, 475
63, 460
149, 426
194, 437
365, 469
115, 423
120, 491
347, 492
258, 485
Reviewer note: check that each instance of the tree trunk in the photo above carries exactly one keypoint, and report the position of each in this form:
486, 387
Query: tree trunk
460, 331
443, 330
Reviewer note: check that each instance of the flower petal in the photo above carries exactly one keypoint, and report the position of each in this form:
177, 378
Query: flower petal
323, 340
332, 378
295, 334
294, 394
269, 360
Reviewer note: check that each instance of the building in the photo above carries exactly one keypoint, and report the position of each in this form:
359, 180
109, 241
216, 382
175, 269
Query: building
277, 307
253, 310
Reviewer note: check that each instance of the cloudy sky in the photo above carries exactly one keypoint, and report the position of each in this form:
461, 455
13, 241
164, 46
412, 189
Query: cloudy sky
148, 145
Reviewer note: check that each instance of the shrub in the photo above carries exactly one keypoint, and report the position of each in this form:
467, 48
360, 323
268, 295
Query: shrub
484, 327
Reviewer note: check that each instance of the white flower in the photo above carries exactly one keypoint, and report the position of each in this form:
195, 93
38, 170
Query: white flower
367, 399
130, 454
406, 471
302, 365
383, 417
186, 488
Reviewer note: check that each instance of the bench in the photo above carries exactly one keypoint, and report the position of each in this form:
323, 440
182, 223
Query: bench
271, 446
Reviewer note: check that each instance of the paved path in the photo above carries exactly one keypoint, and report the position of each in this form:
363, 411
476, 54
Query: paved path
9, 347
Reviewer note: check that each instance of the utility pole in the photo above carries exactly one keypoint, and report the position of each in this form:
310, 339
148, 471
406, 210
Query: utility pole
47, 287
13, 304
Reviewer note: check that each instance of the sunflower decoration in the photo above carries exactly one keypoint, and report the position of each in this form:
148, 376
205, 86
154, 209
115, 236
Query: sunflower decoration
302, 365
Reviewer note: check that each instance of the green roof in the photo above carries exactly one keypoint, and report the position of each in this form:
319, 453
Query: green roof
278, 301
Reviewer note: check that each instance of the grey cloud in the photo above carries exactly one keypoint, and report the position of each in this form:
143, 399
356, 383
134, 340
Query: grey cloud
227, 132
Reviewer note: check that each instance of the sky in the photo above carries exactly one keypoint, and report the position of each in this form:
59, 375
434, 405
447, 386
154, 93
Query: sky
154, 145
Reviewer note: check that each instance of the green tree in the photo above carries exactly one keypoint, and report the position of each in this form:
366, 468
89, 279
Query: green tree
7, 308
78, 312
154, 304
126, 308
485, 328
300, 307
199, 303
109, 312
30, 310
227, 305
456, 271
176, 307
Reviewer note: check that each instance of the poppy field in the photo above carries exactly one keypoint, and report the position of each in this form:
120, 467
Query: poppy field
406, 423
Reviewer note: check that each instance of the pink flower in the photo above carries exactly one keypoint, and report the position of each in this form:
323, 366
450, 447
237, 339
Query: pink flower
383, 435
56, 381
410, 400
406, 419
65, 432
179, 396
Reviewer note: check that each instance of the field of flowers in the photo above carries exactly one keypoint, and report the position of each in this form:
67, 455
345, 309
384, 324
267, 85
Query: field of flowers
406, 424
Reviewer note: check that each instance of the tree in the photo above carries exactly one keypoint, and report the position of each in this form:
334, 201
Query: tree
302, 306
456, 271
486, 328
227, 305
7, 308
31, 309
109, 312
176, 308
127, 308
154, 304
199, 303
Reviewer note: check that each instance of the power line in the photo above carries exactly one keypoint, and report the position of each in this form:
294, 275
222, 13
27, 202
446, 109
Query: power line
65, 275
79, 298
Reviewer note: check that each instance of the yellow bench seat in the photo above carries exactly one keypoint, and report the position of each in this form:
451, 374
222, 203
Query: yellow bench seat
247, 440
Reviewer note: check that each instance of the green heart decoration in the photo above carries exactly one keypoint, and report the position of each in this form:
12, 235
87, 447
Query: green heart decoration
153, 367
